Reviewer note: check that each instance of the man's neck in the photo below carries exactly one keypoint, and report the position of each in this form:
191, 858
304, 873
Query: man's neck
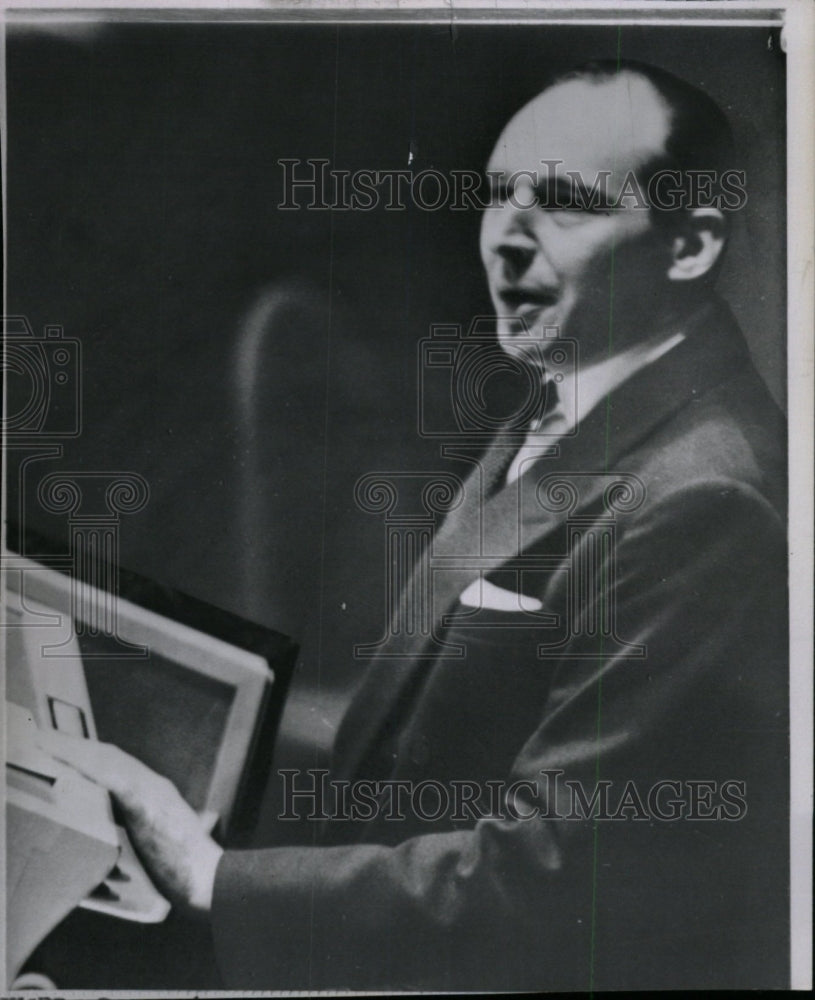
594, 381
585, 387
600, 374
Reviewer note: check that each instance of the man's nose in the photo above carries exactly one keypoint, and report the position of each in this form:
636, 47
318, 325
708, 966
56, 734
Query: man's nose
512, 243
511, 238
516, 255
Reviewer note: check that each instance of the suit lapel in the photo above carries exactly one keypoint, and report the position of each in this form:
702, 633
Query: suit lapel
390, 682
497, 522
713, 351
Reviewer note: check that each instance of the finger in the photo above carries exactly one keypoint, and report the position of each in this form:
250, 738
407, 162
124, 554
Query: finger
102, 763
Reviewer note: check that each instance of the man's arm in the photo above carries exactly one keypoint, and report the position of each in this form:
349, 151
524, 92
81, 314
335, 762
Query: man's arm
571, 902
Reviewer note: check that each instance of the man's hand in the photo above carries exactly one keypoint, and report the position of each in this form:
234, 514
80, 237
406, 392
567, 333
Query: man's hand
167, 833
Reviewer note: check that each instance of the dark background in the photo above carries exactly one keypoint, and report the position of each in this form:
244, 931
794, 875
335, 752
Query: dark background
250, 363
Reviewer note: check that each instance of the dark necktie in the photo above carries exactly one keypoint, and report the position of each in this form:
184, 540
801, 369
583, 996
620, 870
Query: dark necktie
506, 448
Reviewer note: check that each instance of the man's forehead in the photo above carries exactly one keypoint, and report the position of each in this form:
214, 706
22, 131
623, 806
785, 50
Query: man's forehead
614, 124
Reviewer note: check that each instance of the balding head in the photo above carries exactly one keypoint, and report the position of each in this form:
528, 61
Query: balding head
698, 137
555, 254
587, 127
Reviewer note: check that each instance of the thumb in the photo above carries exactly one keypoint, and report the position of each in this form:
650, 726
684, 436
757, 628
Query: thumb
102, 763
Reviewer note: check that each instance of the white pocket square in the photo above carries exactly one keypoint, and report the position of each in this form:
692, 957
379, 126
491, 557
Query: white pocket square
483, 594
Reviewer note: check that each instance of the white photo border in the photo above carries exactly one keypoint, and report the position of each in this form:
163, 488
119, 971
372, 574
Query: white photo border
798, 19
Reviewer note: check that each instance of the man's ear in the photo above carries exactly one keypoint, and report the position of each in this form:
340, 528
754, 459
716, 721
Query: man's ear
696, 249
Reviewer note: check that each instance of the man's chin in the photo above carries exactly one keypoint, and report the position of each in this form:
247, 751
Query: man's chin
532, 352
528, 344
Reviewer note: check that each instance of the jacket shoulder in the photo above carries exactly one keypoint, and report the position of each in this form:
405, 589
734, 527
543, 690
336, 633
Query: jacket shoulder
733, 437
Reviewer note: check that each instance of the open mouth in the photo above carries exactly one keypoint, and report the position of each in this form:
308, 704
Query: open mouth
527, 300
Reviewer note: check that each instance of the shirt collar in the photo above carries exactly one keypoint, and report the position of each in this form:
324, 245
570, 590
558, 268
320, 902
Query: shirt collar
579, 395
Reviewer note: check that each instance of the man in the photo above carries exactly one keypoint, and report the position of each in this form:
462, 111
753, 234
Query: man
662, 687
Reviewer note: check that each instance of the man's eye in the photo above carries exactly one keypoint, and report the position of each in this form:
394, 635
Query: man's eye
499, 191
571, 209
575, 213
567, 202
566, 218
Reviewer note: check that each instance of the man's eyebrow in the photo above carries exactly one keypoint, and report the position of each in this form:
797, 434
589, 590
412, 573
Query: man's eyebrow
553, 193
558, 192
571, 192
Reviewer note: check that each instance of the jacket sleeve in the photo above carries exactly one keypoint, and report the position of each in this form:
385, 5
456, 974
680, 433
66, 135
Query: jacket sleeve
677, 887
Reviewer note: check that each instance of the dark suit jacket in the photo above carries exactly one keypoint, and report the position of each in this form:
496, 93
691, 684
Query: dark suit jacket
697, 580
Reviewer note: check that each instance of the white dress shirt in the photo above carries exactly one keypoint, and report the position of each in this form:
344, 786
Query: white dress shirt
578, 396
